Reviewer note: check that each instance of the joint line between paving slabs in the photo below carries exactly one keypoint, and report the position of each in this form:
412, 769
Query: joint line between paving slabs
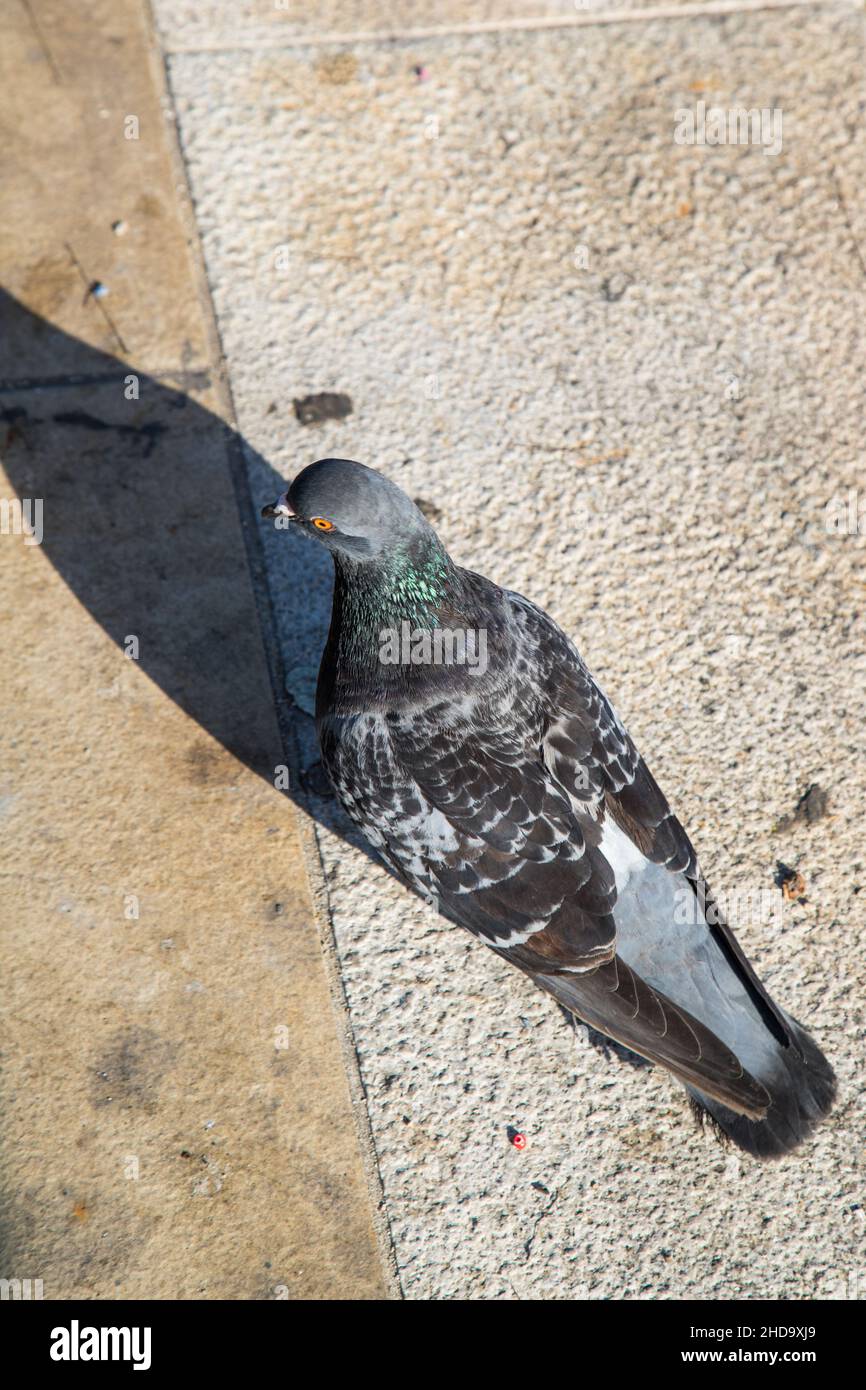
265, 612
181, 378
273, 41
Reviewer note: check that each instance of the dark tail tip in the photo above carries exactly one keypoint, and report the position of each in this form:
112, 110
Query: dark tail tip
802, 1093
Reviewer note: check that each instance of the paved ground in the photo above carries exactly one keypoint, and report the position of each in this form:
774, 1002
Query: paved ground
626, 372
178, 1119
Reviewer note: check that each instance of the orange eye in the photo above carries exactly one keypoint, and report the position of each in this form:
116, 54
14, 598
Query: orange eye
322, 524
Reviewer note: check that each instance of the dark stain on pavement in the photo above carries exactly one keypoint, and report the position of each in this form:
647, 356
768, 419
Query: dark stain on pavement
128, 1073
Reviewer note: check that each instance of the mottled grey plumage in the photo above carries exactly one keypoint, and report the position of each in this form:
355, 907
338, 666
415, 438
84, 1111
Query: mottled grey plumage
516, 800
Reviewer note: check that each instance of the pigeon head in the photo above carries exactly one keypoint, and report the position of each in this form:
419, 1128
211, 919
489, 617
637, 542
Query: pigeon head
351, 509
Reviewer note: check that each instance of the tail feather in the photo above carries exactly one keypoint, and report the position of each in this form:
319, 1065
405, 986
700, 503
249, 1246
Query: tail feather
802, 1090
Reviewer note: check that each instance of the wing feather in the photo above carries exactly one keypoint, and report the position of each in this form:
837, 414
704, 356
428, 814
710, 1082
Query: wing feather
497, 810
619, 1003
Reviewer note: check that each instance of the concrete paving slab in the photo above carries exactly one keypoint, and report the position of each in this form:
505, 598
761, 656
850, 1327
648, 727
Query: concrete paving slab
96, 154
626, 373
179, 1120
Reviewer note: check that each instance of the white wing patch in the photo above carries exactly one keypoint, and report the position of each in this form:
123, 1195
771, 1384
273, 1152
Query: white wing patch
435, 832
621, 853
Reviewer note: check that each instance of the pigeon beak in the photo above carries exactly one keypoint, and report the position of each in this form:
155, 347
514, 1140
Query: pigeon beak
280, 508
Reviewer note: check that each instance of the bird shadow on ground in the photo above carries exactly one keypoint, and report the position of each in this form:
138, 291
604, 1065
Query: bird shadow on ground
132, 471
139, 519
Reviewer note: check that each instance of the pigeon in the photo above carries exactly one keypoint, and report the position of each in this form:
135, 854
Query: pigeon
466, 738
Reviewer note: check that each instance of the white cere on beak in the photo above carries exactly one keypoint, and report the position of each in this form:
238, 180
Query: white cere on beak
281, 506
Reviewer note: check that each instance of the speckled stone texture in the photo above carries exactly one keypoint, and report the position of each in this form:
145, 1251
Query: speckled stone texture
628, 374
